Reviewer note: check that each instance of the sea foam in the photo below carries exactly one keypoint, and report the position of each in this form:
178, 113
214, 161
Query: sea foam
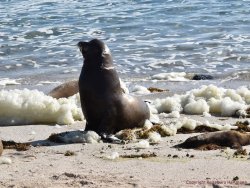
33, 107
206, 99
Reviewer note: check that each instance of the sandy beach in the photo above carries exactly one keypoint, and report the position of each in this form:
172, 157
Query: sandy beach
119, 165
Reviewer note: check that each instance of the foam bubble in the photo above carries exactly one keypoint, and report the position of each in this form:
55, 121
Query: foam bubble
244, 93
168, 104
173, 114
140, 90
114, 155
5, 160
196, 107
154, 137
142, 144
190, 124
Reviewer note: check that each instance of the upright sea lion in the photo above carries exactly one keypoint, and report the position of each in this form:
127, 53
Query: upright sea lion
232, 139
106, 107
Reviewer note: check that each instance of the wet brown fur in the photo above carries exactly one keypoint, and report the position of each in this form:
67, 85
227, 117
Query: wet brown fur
65, 90
232, 139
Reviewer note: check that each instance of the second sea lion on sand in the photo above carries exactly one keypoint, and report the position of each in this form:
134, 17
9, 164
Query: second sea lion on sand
232, 139
105, 106
65, 90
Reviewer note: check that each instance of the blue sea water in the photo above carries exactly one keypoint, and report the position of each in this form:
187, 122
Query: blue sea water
145, 37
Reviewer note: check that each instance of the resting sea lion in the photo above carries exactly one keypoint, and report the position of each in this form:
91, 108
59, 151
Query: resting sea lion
202, 77
65, 90
106, 107
232, 139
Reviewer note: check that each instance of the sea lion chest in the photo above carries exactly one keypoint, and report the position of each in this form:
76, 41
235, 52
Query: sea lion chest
99, 90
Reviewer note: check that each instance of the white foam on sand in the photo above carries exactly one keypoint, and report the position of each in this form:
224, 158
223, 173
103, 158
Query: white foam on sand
206, 99
114, 155
142, 144
154, 137
34, 107
190, 124
81, 137
5, 160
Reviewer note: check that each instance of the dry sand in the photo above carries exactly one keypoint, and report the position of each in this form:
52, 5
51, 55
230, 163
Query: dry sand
48, 166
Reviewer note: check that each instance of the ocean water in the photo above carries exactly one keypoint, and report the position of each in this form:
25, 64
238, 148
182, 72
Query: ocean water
146, 37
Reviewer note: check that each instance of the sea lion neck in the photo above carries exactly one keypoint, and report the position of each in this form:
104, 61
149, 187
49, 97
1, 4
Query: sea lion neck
98, 62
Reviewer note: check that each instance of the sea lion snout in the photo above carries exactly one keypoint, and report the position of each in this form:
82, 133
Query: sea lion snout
83, 46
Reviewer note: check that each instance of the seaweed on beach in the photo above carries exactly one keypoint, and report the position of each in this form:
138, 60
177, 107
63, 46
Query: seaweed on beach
156, 90
143, 155
15, 145
242, 126
240, 152
127, 134
69, 153
144, 134
207, 147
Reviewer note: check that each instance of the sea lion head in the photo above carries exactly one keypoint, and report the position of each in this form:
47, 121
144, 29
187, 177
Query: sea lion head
95, 49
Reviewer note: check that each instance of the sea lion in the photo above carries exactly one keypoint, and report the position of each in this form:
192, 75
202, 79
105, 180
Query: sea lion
106, 107
66, 89
1, 147
202, 77
232, 139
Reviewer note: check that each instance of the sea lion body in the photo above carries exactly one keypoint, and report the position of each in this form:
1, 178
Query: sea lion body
106, 107
233, 139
